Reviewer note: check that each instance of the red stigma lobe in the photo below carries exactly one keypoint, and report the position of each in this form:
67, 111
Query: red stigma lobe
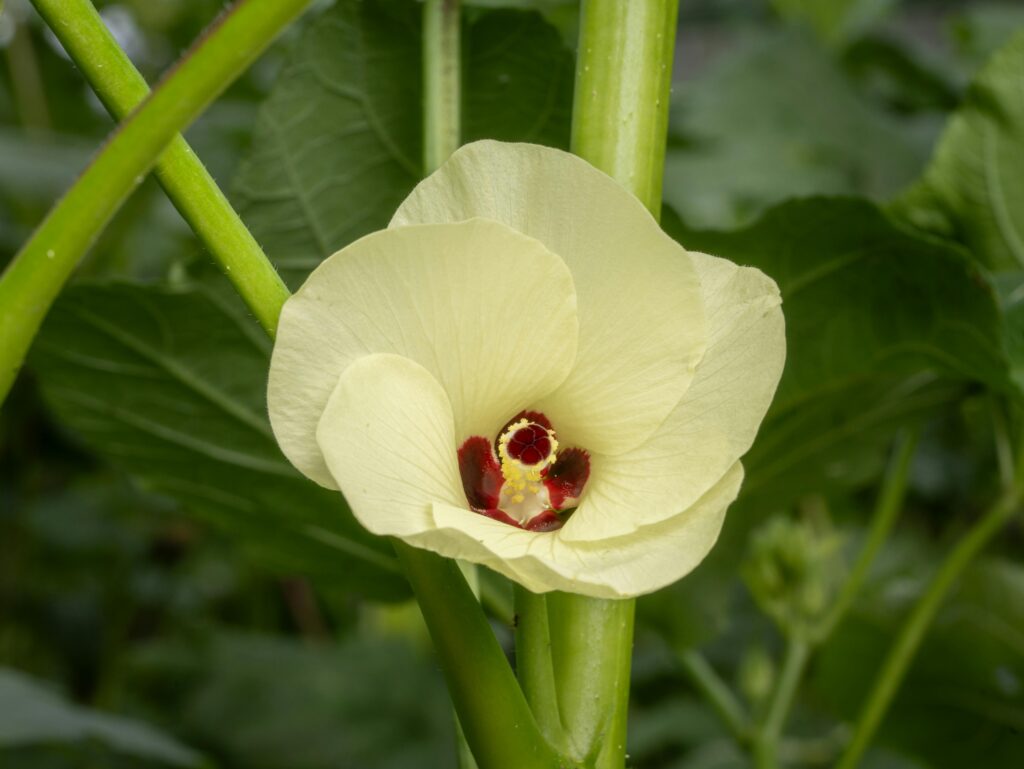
530, 444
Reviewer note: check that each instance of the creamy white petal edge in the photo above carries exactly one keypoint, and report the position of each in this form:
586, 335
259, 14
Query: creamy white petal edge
622, 567
387, 433
489, 312
642, 328
712, 426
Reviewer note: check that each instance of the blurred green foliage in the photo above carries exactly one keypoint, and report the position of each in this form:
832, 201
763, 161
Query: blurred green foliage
171, 592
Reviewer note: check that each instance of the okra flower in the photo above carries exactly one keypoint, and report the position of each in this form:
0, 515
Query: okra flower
525, 372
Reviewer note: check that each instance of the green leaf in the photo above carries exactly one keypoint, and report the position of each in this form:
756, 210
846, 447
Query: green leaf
518, 80
170, 384
745, 135
973, 189
374, 703
337, 144
881, 324
883, 328
962, 703
34, 715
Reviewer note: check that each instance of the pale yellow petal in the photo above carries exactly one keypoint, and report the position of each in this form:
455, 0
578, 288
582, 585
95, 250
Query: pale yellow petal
712, 426
623, 567
641, 318
388, 437
489, 312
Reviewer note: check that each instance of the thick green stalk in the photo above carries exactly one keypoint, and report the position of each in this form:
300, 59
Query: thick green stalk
494, 715
766, 741
623, 77
441, 82
887, 510
35, 277
188, 184
913, 631
591, 649
620, 118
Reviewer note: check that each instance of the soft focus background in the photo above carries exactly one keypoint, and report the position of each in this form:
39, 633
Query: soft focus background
171, 595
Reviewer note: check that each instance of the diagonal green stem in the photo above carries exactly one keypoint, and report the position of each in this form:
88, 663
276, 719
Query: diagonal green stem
887, 510
717, 693
495, 718
35, 277
188, 184
913, 631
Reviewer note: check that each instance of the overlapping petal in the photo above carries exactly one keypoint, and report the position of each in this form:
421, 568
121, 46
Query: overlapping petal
388, 437
642, 329
712, 426
489, 312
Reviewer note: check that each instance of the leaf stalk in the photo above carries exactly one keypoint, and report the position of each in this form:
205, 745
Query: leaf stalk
188, 184
33, 279
912, 634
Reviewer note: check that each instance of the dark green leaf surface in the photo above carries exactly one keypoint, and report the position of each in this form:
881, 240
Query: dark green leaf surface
878, 320
33, 715
337, 145
170, 385
973, 189
518, 81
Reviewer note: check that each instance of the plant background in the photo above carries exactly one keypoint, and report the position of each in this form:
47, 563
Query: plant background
172, 594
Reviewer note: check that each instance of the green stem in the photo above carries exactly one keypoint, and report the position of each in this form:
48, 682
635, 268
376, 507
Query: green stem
766, 741
36, 275
441, 82
623, 77
591, 650
717, 693
535, 666
887, 510
620, 118
495, 718
913, 631
188, 184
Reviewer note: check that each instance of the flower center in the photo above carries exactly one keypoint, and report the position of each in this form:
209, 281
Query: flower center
530, 444
523, 479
